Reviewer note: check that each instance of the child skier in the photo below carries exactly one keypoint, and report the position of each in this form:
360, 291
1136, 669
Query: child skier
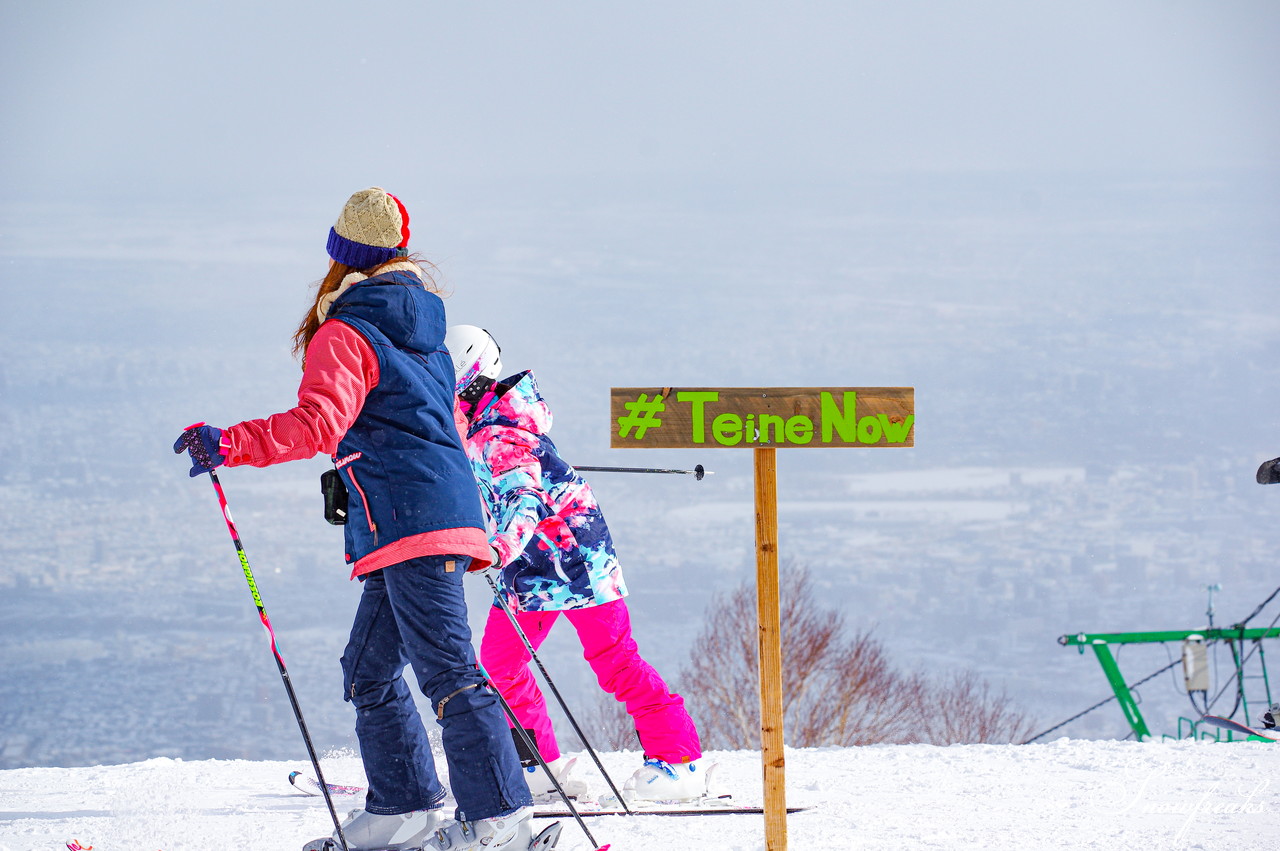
556, 557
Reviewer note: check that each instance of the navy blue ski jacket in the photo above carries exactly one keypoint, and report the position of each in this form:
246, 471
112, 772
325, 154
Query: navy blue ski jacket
402, 460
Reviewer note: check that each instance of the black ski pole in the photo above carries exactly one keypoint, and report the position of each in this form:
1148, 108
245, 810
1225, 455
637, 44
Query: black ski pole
275, 651
533, 749
697, 472
529, 647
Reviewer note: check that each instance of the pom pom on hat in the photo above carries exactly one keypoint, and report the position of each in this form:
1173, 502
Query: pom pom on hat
372, 228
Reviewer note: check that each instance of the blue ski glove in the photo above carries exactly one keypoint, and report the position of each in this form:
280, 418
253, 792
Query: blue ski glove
204, 444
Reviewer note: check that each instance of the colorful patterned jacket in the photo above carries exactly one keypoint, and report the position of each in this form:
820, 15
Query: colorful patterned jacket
545, 522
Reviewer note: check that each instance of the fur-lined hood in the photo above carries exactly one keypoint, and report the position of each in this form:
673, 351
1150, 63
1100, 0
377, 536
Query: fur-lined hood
327, 300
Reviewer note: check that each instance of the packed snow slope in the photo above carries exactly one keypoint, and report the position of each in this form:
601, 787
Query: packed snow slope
1064, 794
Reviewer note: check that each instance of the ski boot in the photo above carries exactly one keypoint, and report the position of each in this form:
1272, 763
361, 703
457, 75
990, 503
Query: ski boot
658, 780
511, 832
1271, 718
366, 831
541, 787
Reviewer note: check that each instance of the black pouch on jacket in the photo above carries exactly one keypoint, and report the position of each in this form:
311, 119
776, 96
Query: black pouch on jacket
335, 497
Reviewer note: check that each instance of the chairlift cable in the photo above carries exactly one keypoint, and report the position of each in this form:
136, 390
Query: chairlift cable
1101, 703
1261, 606
1244, 658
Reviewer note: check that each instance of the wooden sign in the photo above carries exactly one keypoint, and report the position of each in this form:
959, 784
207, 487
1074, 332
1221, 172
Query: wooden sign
758, 417
764, 419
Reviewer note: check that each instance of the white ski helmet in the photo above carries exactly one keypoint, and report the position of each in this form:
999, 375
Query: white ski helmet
477, 360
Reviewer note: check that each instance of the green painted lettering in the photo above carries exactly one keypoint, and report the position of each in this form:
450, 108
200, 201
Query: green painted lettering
869, 430
767, 420
799, 429
897, 432
727, 429
835, 420
697, 399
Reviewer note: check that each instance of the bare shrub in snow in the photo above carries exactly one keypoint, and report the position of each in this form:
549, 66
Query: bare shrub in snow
838, 688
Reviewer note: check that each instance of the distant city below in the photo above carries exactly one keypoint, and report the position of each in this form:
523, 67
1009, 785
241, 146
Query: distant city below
1095, 381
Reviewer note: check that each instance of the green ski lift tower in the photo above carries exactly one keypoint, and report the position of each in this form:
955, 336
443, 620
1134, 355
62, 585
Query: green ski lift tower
1243, 643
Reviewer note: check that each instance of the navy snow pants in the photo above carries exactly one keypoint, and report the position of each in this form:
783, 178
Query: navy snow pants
414, 614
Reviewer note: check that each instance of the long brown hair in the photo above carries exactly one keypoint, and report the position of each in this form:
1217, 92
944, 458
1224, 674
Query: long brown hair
333, 279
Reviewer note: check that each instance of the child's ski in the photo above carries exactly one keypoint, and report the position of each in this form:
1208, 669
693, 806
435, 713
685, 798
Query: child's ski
711, 807
544, 841
1237, 727
308, 785
686, 811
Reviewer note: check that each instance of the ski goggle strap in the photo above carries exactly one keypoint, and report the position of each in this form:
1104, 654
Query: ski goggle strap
477, 388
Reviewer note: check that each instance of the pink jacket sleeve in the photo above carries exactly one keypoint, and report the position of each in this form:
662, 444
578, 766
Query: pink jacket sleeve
341, 369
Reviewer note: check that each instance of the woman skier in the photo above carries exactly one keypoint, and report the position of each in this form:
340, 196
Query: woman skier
377, 395
557, 557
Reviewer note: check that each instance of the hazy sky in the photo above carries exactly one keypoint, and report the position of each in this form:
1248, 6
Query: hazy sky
152, 97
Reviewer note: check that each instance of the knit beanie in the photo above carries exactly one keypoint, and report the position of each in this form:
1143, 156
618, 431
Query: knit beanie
372, 228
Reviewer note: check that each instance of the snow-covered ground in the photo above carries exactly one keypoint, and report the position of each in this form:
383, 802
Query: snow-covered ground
1064, 794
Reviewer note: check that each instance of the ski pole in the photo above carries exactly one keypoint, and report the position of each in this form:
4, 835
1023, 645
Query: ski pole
275, 651
533, 749
529, 647
697, 472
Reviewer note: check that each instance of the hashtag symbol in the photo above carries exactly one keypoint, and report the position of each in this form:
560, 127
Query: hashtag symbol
642, 415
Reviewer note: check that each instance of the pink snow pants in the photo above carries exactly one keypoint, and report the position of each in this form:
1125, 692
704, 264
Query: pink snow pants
666, 731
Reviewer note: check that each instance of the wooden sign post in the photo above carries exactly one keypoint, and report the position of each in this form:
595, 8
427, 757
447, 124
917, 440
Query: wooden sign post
764, 419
